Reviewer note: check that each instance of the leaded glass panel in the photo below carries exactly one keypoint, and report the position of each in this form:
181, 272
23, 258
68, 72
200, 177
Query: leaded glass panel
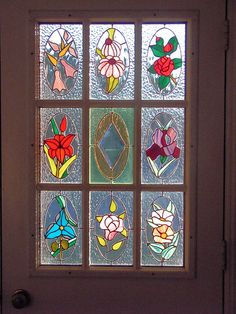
163, 61
111, 228
111, 145
162, 145
61, 57
61, 145
162, 229
61, 228
111, 61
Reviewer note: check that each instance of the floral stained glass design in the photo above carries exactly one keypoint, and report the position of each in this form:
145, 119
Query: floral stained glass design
110, 228
61, 61
61, 230
61, 144
111, 61
114, 63
162, 150
162, 231
163, 61
110, 152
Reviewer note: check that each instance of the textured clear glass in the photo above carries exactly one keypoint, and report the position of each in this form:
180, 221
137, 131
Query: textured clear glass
60, 56
163, 55
101, 86
111, 228
61, 228
167, 124
74, 127
162, 229
111, 145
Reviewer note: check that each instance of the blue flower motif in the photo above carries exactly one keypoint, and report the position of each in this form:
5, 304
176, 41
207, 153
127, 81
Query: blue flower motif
60, 228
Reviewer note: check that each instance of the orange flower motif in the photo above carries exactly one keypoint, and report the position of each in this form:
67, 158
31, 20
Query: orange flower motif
163, 234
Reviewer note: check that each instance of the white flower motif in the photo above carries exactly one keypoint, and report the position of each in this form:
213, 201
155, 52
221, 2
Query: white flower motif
111, 66
111, 48
161, 217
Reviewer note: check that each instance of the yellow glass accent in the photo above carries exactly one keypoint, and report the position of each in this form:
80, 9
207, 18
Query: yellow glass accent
64, 50
113, 206
117, 245
52, 59
101, 241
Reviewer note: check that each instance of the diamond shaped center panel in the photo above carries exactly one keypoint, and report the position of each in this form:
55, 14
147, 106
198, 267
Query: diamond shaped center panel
111, 145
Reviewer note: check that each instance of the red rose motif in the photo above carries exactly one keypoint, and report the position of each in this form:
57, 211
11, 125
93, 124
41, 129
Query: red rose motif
164, 66
164, 144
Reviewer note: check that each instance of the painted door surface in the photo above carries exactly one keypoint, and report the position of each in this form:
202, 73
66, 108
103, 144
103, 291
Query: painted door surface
197, 287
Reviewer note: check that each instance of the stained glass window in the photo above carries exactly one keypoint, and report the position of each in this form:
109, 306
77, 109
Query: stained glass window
111, 61
111, 228
61, 59
112, 114
111, 145
61, 227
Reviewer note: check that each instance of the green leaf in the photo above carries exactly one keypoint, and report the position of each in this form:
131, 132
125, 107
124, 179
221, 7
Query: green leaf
54, 127
152, 70
157, 247
159, 41
171, 208
101, 241
174, 42
117, 245
163, 81
175, 239
163, 159
157, 50
177, 63
168, 252
61, 201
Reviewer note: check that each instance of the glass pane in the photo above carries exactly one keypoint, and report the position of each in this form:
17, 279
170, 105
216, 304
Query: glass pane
163, 61
61, 228
61, 145
61, 58
111, 228
111, 145
163, 145
111, 61
162, 229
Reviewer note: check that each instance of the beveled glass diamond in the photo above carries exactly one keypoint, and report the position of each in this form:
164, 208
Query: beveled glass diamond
111, 145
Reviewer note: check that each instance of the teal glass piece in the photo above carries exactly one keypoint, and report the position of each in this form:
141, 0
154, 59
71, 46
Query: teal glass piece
162, 229
111, 228
111, 145
61, 228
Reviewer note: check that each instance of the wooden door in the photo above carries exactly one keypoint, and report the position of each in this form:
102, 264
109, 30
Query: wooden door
195, 285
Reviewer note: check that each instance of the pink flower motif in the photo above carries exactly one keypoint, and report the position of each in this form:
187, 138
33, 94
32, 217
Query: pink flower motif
58, 82
111, 66
164, 144
112, 225
111, 48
